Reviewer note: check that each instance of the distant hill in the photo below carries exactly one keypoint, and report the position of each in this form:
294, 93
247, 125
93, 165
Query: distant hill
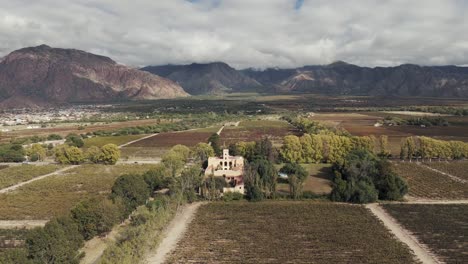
341, 78
43, 75
209, 78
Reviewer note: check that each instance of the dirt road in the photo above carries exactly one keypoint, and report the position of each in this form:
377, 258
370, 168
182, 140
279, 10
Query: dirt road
420, 250
173, 233
14, 187
28, 224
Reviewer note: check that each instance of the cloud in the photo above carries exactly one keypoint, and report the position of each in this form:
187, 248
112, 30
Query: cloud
244, 33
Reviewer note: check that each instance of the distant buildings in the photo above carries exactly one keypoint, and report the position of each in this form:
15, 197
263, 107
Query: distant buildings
231, 168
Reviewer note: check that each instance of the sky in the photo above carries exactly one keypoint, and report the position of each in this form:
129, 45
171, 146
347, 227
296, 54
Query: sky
244, 33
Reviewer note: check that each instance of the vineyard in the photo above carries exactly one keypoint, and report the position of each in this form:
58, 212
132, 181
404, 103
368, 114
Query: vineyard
287, 232
16, 174
441, 227
56, 194
425, 183
117, 140
458, 168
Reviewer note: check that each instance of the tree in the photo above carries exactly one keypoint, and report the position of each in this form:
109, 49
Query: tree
190, 180
158, 177
57, 242
36, 152
173, 161
291, 151
215, 144
132, 189
184, 151
268, 176
383, 146
203, 151
74, 140
252, 183
96, 217
296, 178
93, 154
110, 154
54, 137
69, 155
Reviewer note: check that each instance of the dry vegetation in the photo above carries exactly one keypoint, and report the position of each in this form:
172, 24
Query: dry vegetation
425, 183
56, 194
288, 232
17, 174
443, 228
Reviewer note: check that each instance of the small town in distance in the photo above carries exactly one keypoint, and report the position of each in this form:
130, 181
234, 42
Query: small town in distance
233, 132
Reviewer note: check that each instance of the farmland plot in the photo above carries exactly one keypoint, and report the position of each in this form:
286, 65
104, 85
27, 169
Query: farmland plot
255, 130
443, 228
16, 174
456, 168
425, 183
288, 232
57, 194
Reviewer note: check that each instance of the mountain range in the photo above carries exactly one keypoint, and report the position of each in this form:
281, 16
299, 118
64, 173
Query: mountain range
43, 75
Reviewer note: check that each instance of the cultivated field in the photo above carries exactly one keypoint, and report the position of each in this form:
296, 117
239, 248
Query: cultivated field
425, 183
457, 168
287, 232
254, 130
443, 228
117, 140
56, 195
17, 174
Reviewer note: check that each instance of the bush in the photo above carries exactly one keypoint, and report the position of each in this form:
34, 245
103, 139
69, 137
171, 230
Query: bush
232, 196
54, 137
74, 140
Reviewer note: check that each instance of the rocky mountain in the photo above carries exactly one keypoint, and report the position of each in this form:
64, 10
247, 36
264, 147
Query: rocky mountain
341, 78
209, 78
43, 75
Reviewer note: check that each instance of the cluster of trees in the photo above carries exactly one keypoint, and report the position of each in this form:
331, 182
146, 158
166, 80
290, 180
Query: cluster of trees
328, 147
363, 177
415, 121
12, 153
428, 148
107, 154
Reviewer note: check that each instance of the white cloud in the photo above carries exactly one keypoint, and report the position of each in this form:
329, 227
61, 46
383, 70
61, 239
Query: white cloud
244, 33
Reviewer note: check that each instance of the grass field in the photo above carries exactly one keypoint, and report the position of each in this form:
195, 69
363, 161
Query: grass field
56, 194
425, 183
318, 182
443, 228
117, 140
455, 168
287, 232
17, 174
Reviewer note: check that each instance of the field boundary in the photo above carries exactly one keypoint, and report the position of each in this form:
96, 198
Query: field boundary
136, 140
16, 186
455, 178
419, 249
173, 233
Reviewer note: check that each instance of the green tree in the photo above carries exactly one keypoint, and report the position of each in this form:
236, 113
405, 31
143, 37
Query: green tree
173, 161
215, 144
268, 177
57, 242
132, 189
296, 178
93, 154
74, 140
184, 151
96, 217
203, 151
69, 155
36, 151
383, 146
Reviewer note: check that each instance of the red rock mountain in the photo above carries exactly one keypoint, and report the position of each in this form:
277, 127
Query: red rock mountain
43, 75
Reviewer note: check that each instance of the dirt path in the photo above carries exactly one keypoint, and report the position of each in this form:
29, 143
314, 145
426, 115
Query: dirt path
414, 200
95, 247
28, 224
220, 130
14, 187
136, 140
420, 250
455, 178
173, 234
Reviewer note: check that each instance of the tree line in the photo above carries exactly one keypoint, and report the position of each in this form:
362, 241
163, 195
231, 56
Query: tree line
427, 148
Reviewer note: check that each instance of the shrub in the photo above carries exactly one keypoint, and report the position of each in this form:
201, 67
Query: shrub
132, 189
232, 196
